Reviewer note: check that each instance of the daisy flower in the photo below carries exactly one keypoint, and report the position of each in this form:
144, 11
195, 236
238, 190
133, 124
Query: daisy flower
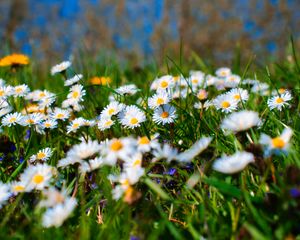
42, 155
158, 99
55, 216
60, 114
61, 67
105, 123
4, 193
240, 121
279, 102
144, 144
73, 80
198, 147
21, 90
202, 94
232, 81
234, 163
117, 149
238, 94
260, 88
12, 119
52, 197
32, 119
225, 103
196, 79
129, 89
223, 72
165, 82
277, 144
112, 108
49, 124
76, 94
37, 176
17, 186
75, 125
164, 114
132, 117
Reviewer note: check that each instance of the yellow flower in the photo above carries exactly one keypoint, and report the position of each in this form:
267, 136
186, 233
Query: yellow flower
100, 80
14, 60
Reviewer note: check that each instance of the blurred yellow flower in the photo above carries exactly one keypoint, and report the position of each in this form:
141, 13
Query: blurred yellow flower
100, 80
14, 59
32, 108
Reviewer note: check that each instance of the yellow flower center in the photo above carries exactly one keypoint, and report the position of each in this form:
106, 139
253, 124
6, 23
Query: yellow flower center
176, 78
164, 114
13, 119
137, 162
19, 90
111, 111
281, 90
237, 97
279, 100
116, 145
201, 95
1, 93
75, 94
225, 104
42, 94
75, 125
159, 101
47, 124
30, 121
108, 123
41, 155
164, 84
278, 142
18, 188
195, 81
38, 178
60, 115
144, 140
134, 121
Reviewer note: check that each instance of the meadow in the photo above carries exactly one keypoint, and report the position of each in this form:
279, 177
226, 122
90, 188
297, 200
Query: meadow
95, 149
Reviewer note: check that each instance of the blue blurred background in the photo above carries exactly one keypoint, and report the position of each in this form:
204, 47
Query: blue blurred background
143, 29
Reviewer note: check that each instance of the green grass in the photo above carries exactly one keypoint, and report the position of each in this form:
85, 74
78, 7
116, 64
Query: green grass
193, 203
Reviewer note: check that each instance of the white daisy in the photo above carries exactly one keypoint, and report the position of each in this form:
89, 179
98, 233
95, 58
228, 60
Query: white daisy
165, 152
105, 123
165, 82
223, 72
129, 89
234, 163
61, 67
60, 114
37, 176
279, 102
280, 143
17, 186
76, 94
238, 94
12, 119
225, 103
261, 88
240, 121
73, 80
75, 125
232, 81
164, 114
132, 117
202, 94
117, 149
91, 165
112, 108
144, 144
5, 110
198, 147
32, 119
49, 124
158, 99
52, 197
42, 155
21, 90
6, 91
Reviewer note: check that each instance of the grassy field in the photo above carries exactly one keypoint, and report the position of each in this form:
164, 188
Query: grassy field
95, 150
